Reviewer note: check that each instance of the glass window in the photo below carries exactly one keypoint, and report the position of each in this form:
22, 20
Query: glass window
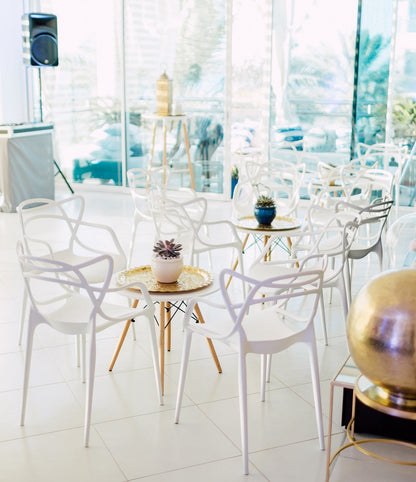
312, 77
372, 76
82, 96
186, 40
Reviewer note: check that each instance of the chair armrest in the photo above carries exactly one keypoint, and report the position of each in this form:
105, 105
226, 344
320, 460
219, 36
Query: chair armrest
103, 228
29, 240
134, 284
348, 205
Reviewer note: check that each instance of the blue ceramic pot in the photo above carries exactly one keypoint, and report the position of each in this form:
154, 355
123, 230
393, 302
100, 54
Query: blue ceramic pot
265, 215
234, 182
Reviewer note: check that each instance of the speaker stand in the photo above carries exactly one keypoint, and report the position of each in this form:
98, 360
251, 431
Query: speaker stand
63, 176
41, 120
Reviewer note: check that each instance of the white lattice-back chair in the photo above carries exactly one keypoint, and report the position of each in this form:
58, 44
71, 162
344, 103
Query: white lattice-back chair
260, 324
186, 222
57, 230
146, 184
62, 298
372, 222
333, 240
390, 157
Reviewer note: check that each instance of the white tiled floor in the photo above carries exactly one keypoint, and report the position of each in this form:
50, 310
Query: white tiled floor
132, 436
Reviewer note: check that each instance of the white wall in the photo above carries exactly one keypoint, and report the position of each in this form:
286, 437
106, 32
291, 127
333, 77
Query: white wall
13, 96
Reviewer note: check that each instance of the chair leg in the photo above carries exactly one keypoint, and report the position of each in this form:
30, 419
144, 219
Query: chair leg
155, 357
90, 388
22, 317
133, 330
78, 350
330, 290
348, 281
28, 359
378, 249
240, 262
263, 375
132, 241
268, 367
182, 375
323, 318
343, 292
83, 359
242, 386
313, 359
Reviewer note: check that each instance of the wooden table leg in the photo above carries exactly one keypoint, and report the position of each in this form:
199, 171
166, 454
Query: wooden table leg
168, 325
185, 137
236, 261
162, 345
290, 244
267, 255
121, 339
210, 344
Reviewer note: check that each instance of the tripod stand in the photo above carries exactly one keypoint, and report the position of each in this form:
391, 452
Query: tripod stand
59, 171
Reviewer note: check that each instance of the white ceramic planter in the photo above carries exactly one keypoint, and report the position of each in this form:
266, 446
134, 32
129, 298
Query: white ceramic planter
166, 270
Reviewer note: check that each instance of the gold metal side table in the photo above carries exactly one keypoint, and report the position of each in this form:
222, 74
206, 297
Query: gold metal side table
193, 282
367, 393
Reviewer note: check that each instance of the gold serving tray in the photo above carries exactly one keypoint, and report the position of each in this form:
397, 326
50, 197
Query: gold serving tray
190, 279
280, 223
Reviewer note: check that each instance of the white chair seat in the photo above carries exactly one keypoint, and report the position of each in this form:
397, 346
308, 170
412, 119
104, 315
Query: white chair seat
73, 315
261, 326
94, 274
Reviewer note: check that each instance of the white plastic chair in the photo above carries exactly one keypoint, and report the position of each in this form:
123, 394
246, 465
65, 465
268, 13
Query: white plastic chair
281, 180
389, 157
243, 199
332, 240
61, 297
373, 219
400, 242
138, 181
56, 230
186, 222
145, 184
382, 182
263, 325
347, 182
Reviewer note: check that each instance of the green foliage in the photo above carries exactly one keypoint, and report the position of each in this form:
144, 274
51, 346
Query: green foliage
234, 172
404, 117
265, 202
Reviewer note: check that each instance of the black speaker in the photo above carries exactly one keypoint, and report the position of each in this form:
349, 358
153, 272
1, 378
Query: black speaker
40, 39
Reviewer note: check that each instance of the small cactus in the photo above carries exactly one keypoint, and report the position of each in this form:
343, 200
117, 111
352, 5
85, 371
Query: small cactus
167, 249
265, 202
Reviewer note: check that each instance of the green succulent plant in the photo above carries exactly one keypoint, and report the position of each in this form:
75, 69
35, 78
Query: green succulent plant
264, 201
167, 249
